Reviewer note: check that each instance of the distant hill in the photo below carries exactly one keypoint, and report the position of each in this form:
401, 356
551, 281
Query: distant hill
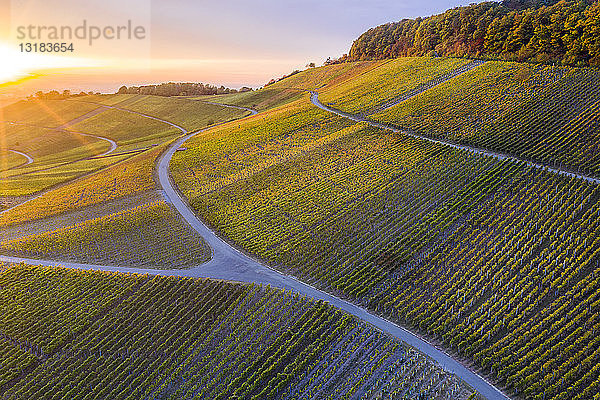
180, 89
566, 32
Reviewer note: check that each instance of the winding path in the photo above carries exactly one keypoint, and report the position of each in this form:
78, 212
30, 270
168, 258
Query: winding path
63, 128
104, 107
228, 263
314, 98
27, 156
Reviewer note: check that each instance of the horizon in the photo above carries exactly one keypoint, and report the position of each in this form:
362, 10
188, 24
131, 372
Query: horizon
233, 43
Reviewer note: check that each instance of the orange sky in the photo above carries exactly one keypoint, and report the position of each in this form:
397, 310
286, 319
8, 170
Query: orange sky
229, 42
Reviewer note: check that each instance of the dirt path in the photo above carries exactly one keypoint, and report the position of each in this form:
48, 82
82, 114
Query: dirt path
27, 156
314, 98
229, 263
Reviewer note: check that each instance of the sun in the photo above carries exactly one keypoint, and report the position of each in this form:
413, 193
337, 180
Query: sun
14, 65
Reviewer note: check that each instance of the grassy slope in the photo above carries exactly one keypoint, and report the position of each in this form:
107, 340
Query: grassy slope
135, 175
50, 113
545, 114
132, 336
150, 235
465, 248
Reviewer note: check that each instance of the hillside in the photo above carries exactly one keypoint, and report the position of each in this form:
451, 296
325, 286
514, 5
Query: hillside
486, 253
552, 32
457, 198
68, 334
76, 334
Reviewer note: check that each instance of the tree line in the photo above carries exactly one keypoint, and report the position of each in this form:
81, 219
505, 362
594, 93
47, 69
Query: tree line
566, 32
180, 89
56, 95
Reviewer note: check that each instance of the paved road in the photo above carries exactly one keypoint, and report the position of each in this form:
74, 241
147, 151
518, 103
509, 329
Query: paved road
228, 263
64, 128
314, 98
27, 156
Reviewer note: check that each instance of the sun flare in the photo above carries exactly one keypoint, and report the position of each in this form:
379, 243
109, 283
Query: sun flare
16, 64
13, 65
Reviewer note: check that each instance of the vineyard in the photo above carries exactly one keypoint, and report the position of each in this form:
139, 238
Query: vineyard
237, 150
327, 76
149, 235
70, 139
56, 146
48, 113
51, 150
78, 216
129, 177
383, 85
9, 160
191, 115
260, 100
543, 114
127, 129
494, 258
74, 334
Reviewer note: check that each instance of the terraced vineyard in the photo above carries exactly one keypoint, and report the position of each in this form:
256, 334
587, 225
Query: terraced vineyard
76, 334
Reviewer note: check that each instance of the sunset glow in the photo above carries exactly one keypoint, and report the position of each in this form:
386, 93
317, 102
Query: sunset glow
13, 65
17, 65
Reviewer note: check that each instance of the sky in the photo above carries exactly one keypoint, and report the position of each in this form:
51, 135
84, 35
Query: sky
230, 42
